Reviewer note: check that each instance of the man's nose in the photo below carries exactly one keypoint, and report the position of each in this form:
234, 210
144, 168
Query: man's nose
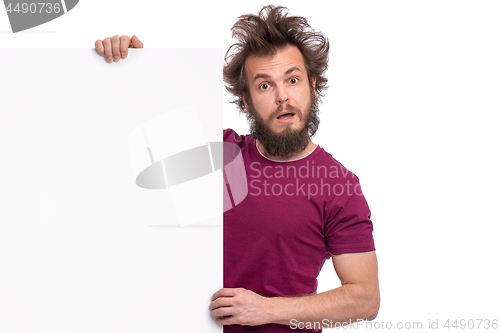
281, 95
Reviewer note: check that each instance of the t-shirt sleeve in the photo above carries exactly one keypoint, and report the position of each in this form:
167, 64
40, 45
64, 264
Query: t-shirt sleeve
348, 227
228, 135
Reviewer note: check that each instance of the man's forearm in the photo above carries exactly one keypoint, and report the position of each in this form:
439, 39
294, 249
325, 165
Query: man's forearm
357, 298
347, 303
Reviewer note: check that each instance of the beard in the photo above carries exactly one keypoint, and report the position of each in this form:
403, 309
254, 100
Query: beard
289, 141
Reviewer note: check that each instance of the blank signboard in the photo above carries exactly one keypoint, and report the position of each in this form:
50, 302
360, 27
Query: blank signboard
87, 244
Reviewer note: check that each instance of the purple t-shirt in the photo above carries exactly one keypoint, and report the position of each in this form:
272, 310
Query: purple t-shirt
295, 216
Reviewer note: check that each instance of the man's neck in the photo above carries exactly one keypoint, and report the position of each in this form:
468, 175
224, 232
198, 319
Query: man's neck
309, 148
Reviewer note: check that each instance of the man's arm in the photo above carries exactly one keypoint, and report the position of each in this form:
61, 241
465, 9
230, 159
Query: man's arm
357, 298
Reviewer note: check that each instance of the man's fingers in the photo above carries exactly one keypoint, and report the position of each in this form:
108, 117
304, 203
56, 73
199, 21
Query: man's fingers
224, 292
116, 47
136, 43
108, 51
226, 321
115, 41
223, 312
99, 47
220, 302
124, 43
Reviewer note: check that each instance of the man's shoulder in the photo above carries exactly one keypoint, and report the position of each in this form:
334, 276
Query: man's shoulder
325, 159
229, 135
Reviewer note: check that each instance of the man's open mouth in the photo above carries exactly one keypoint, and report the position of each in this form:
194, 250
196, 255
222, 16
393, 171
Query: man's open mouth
286, 116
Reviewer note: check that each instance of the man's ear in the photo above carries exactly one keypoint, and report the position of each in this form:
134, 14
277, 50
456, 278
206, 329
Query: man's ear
313, 84
245, 101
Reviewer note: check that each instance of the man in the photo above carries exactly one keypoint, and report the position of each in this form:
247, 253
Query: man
303, 206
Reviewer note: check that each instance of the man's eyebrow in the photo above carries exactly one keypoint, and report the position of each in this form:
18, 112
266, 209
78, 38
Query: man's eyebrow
261, 76
266, 76
291, 70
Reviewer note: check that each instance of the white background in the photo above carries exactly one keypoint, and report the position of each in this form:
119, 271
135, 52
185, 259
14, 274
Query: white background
411, 109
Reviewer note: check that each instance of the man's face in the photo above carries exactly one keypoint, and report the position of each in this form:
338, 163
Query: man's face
279, 104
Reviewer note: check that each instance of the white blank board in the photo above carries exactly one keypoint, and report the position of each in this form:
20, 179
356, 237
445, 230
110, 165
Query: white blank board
83, 249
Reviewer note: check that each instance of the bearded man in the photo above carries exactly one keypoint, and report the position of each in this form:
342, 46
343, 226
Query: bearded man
303, 206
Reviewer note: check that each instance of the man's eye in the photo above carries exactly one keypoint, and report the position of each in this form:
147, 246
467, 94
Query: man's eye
264, 86
293, 80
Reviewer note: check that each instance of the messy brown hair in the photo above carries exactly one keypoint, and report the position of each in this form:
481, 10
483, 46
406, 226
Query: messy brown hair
267, 33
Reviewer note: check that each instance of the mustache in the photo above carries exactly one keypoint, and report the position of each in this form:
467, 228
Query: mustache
289, 107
